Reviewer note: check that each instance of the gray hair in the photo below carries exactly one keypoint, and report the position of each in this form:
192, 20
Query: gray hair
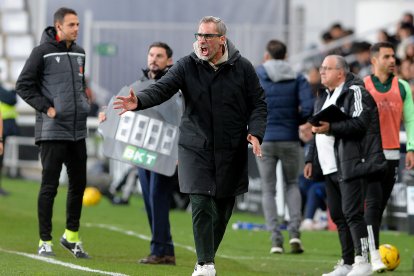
221, 27
341, 63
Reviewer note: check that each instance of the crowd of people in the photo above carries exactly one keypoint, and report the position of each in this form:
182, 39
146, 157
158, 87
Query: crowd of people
349, 165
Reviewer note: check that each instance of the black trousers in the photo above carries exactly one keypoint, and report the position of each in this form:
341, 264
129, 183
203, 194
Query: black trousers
346, 206
210, 217
378, 192
52, 155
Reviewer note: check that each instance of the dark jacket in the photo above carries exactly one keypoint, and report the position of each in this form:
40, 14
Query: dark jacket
358, 147
289, 100
53, 76
221, 108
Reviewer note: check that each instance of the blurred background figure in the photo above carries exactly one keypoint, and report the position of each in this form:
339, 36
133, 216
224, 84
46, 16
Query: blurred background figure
289, 101
8, 112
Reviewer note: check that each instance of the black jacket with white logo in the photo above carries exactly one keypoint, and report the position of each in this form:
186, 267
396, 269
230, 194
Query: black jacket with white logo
53, 76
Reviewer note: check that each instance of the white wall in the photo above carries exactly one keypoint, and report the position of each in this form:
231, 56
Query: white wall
372, 15
320, 14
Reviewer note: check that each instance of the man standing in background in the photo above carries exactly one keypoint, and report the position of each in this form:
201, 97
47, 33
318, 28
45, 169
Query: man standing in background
289, 103
395, 104
8, 112
350, 155
53, 83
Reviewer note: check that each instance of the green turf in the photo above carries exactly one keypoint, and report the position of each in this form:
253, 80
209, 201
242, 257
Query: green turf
104, 231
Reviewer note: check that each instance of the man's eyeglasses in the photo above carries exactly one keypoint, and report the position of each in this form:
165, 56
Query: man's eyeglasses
326, 68
199, 36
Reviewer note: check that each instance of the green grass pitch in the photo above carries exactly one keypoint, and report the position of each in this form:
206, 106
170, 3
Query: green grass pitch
117, 236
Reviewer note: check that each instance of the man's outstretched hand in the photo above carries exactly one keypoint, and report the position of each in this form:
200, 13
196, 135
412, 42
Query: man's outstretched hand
126, 103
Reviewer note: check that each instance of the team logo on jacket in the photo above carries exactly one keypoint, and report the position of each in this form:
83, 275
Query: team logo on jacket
57, 59
80, 61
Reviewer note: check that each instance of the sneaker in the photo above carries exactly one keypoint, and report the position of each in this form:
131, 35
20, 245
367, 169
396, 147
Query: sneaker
277, 250
361, 267
152, 259
340, 269
45, 250
376, 262
296, 246
75, 248
306, 225
204, 270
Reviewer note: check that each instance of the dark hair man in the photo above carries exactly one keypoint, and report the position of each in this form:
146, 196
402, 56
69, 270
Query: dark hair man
393, 97
289, 101
53, 83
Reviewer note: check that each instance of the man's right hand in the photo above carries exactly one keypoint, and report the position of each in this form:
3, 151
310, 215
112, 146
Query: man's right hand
126, 103
51, 112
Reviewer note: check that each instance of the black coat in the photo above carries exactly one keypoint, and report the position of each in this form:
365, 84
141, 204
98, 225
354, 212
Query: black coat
53, 76
221, 108
358, 147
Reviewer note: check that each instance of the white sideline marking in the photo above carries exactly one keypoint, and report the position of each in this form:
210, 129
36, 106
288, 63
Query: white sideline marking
272, 257
53, 261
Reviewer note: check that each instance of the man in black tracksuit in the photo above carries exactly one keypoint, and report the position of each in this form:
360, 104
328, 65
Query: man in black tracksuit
53, 83
349, 152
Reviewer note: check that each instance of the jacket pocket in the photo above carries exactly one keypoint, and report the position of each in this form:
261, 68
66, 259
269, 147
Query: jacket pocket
192, 141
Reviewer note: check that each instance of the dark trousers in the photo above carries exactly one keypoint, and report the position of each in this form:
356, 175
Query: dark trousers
378, 191
52, 155
210, 217
156, 191
346, 206
373, 205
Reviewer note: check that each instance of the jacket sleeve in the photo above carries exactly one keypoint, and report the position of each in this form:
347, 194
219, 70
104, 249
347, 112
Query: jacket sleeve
28, 83
306, 98
408, 112
163, 89
361, 106
256, 104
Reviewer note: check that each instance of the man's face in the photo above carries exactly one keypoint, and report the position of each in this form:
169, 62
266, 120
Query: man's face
157, 59
384, 61
68, 29
210, 48
331, 76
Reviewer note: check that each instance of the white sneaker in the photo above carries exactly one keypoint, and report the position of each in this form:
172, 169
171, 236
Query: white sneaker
276, 250
340, 269
306, 225
204, 270
45, 249
376, 262
360, 267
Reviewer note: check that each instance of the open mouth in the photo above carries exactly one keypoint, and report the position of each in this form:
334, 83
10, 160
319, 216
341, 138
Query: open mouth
204, 50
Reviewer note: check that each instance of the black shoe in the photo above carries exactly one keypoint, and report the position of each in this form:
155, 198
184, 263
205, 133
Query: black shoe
75, 248
119, 201
296, 246
3, 192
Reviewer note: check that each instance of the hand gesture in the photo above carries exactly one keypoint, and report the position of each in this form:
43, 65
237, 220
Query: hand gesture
256, 145
126, 103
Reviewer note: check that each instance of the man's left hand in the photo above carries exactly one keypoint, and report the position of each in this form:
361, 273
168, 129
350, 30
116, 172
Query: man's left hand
322, 129
256, 145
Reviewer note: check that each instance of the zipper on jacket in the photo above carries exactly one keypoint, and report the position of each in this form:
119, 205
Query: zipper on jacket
74, 95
